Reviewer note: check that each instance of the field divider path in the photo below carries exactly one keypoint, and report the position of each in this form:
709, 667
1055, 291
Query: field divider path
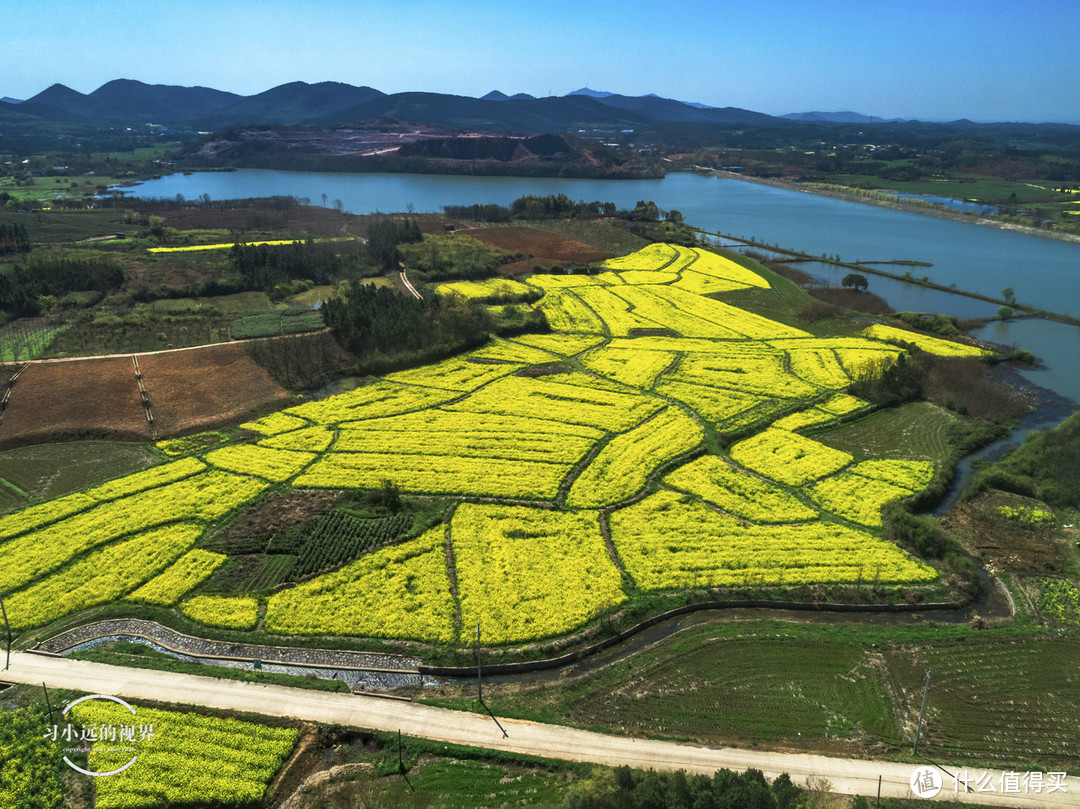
144, 397
846, 776
451, 571
10, 385
605, 532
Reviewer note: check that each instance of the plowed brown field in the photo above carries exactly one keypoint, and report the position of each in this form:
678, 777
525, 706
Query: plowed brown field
540, 248
189, 390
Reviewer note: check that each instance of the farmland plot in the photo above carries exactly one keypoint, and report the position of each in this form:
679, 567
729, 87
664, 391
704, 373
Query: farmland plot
543, 443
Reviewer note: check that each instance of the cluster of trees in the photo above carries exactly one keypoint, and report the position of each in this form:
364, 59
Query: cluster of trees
624, 788
55, 273
531, 206
13, 238
378, 324
457, 255
204, 202
556, 206
267, 267
385, 237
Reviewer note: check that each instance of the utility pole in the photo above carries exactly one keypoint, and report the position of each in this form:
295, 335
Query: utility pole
7, 665
479, 685
922, 710
47, 702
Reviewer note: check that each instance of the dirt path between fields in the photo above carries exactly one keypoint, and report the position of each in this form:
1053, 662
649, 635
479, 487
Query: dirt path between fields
847, 776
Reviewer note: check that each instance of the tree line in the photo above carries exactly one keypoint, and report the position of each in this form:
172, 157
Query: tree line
624, 788
264, 267
55, 273
13, 238
531, 206
378, 324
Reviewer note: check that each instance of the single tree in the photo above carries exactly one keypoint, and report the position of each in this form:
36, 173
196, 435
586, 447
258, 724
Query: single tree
855, 281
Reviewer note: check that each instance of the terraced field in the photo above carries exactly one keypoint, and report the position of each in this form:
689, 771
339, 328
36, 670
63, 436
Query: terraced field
652, 459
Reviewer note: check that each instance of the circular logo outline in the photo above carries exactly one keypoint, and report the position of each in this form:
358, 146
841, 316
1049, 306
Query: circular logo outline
75, 766
917, 783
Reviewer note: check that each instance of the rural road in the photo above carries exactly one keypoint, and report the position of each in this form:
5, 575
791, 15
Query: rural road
847, 776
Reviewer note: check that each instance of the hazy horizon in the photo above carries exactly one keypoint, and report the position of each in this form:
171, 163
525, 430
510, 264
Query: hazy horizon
914, 60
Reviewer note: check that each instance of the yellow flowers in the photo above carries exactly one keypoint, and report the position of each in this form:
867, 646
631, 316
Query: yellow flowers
194, 248
653, 257
788, 457
202, 498
181, 759
221, 611
277, 465
185, 574
529, 573
102, 576
931, 345
620, 469
739, 493
453, 374
636, 368
666, 542
570, 423
402, 591
491, 288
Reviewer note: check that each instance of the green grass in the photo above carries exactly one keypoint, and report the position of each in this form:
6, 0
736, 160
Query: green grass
66, 226
314, 296
914, 431
27, 345
46, 471
993, 190
250, 574
616, 240
998, 697
747, 690
49, 188
275, 322
1015, 702
461, 784
782, 303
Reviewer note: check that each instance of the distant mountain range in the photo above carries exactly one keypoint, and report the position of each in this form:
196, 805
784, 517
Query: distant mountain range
329, 103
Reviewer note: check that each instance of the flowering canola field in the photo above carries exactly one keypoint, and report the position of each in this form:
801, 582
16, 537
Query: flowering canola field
583, 466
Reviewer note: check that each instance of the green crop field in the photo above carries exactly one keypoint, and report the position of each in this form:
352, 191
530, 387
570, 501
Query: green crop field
915, 431
1009, 701
50, 470
993, 698
560, 471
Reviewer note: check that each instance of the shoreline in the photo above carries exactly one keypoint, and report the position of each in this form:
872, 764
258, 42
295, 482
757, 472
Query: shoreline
953, 216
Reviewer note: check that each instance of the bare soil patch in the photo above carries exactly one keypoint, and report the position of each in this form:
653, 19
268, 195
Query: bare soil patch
279, 511
90, 398
98, 397
1005, 544
539, 247
205, 387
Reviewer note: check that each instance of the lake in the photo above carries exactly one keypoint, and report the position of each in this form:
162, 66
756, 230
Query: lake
1043, 272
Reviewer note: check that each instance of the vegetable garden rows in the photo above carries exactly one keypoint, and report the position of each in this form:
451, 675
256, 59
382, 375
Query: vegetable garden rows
618, 416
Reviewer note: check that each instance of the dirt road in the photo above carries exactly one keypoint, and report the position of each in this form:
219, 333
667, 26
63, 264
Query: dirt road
846, 776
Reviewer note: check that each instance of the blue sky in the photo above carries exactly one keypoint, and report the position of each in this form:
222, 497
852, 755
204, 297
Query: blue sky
930, 59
